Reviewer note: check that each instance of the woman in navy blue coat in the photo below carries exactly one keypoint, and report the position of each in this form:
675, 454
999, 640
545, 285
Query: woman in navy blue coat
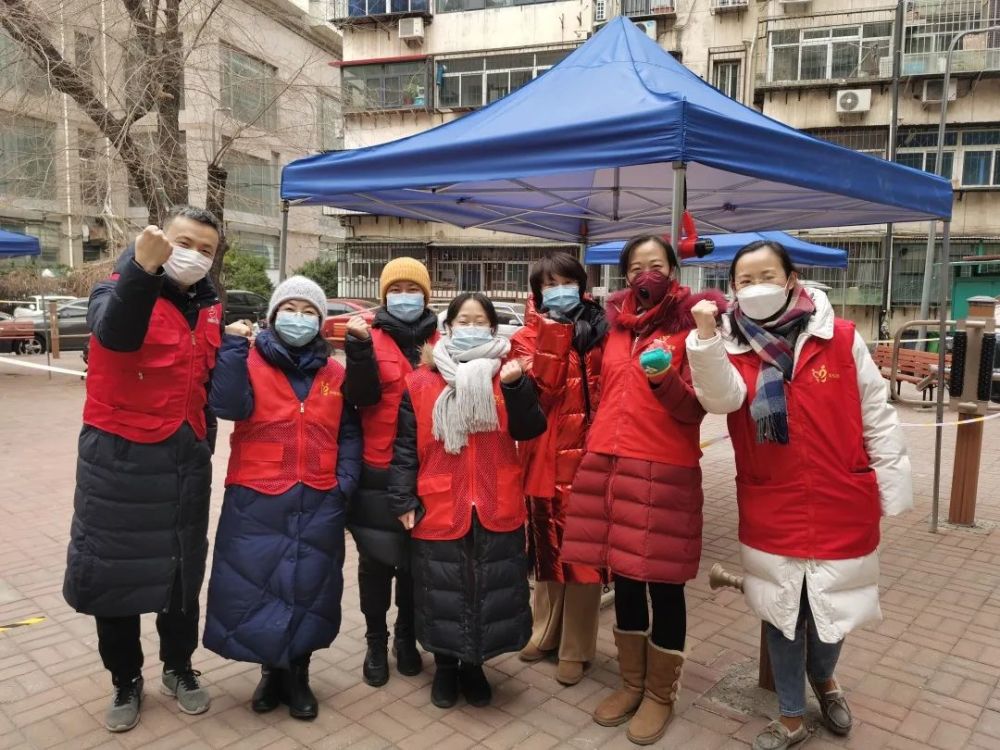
277, 571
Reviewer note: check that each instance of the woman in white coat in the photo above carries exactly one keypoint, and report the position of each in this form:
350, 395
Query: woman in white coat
819, 458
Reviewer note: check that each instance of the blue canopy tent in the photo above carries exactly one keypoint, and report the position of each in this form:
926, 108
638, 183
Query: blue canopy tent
726, 246
617, 139
14, 245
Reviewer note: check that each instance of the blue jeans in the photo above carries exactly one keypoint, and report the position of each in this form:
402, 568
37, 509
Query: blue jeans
792, 660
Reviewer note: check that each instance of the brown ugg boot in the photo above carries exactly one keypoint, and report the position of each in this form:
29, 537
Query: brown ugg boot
617, 707
663, 682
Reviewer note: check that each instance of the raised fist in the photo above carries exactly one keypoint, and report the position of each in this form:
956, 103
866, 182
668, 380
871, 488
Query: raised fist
240, 328
358, 328
152, 249
706, 314
511, 372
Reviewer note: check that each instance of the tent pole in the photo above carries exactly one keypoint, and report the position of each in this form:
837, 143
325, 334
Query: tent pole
677, 203
843, 295
945, 276
885, 309
283, 244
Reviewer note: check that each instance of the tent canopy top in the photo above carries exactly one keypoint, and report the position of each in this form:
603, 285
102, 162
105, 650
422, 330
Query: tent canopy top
13, 245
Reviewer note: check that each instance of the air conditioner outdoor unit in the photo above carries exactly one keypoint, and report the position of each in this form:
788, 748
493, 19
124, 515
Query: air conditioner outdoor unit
793, 4
648, 28
885, 67
411, 30
933, 91
854, 101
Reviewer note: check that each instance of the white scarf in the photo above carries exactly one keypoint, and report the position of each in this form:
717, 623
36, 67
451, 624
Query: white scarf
466, 405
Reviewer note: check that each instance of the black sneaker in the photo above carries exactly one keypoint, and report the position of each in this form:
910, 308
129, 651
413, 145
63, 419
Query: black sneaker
376, 668
475, 687
123, 713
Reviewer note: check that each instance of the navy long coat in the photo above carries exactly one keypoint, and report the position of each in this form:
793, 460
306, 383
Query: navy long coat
277, 571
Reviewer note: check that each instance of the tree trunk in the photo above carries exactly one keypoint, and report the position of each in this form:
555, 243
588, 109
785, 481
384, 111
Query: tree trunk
215, 201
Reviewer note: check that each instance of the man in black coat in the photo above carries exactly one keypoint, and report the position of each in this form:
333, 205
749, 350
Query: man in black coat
139, 534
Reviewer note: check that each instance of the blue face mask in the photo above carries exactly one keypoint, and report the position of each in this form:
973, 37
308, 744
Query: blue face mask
562, 298
407, 306
296, 329
469, 337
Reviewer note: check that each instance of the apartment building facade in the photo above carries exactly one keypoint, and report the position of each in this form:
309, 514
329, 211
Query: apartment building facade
259, 81
823, 66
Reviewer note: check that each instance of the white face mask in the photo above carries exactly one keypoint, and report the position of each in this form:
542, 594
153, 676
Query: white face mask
186, 266
762, 301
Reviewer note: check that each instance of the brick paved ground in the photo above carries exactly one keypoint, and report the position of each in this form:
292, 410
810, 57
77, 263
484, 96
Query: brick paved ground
926, 677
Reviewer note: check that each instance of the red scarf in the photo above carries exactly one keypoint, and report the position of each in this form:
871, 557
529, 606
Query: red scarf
644, 322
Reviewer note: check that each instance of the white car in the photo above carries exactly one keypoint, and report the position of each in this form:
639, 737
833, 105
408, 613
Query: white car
510, 315
33, 304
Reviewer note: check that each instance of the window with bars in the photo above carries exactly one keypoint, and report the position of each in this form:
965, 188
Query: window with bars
726, 77
981, 158
331, 135
252, 184
456, 6
872, 141
264, 246
478, 81
831, 53
249, 88
93, 179
27, 157
18, 72
388, 86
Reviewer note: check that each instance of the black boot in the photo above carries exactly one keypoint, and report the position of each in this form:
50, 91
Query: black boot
444, 689
301, 701
270, 690
475, 688
376, 667
404, 648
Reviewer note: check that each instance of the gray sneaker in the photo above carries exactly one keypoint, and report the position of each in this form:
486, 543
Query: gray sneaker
183, 685
123, 713
777, 737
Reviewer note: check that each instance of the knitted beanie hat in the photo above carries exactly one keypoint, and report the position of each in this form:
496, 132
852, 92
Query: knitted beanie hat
297, 287
405, 269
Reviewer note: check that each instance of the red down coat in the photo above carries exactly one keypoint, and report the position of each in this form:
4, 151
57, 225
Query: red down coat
636, 505
566, 382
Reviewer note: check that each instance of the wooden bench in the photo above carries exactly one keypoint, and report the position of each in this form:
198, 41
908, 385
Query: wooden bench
913, 366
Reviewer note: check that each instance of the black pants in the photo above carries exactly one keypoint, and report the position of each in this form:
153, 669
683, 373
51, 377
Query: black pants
375, 591
121, 650
669, 610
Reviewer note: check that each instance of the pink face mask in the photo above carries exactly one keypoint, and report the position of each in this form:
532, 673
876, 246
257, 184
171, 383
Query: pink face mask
651, 287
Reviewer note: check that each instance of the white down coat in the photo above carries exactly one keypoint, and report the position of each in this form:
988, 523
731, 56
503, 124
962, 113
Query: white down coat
843, 594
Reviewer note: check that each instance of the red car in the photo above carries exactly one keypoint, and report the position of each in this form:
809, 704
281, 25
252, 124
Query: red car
17, 335
339, 311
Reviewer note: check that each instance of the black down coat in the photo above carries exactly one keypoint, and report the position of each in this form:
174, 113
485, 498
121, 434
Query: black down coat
140, 521
471, 594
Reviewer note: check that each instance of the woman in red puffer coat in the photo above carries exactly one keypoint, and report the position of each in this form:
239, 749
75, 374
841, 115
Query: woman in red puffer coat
636, 505
561, 347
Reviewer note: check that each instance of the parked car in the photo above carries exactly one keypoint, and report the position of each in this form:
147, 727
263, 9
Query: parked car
14, 332
341, 310
244, 305
509, 314
73, 329
33, 303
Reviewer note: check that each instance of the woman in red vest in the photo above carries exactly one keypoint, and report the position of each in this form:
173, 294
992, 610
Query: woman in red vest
819, 459
378, 360
455, 482
277, 571
636, 505
561, 346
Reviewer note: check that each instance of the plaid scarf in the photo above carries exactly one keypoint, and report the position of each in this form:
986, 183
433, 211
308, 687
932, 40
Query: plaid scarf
772, 341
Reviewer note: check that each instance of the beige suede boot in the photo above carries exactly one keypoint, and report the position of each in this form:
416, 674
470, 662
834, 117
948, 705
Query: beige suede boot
617, 707
663, 682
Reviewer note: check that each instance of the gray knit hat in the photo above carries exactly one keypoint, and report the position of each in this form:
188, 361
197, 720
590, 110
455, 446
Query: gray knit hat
298, 287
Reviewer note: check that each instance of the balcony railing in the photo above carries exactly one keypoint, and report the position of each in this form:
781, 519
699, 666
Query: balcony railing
729, 6
930, 25
605, 10
353, 11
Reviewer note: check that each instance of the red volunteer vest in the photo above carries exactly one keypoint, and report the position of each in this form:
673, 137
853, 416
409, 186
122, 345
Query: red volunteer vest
378, 422
146, 395
817, 497
631, 421
485, 475
286, 441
